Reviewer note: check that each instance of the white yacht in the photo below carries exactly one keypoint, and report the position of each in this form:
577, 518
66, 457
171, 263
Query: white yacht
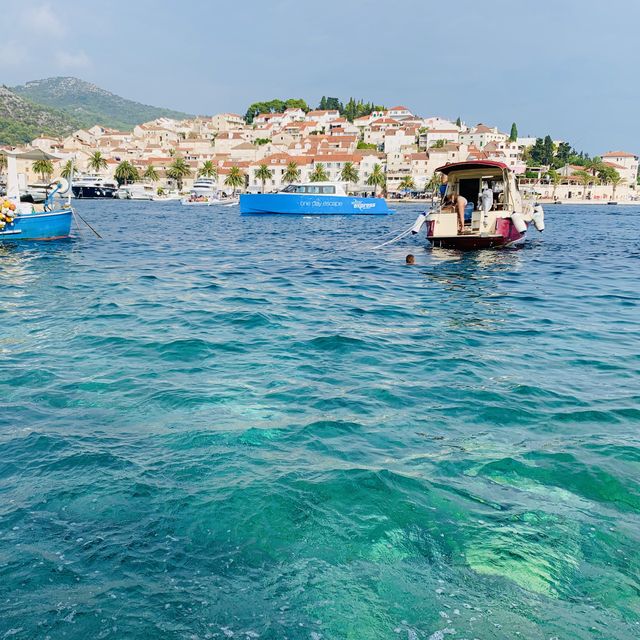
93, 186
207, 187
136, 191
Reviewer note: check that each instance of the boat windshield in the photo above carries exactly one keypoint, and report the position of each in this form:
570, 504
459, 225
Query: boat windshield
310, 188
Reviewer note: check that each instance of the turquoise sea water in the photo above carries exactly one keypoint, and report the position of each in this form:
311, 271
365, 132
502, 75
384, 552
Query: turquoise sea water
214, 426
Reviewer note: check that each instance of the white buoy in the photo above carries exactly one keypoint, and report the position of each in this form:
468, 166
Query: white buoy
419, 223
538, 218
518, 222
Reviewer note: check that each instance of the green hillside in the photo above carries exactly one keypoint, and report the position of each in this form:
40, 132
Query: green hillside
89, 105
21, 120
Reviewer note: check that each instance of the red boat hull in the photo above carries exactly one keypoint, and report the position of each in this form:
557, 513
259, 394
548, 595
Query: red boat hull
506, 235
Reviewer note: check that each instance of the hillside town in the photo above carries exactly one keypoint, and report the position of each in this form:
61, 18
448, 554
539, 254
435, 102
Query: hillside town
303, 144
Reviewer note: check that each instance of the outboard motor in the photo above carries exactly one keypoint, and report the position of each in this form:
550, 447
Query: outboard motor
538, 217
518, 222
419, 223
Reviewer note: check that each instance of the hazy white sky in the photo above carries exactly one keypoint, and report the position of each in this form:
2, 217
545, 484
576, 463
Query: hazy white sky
563, 67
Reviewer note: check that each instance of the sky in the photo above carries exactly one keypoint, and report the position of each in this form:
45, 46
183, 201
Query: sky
567, 68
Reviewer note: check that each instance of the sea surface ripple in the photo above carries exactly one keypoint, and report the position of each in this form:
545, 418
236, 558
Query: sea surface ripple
219, 426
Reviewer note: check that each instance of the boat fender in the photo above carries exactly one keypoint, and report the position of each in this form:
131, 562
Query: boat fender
518, 222
419, 223
538, 217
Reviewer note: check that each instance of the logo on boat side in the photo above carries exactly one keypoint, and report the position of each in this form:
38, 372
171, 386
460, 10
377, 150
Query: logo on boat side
320, 203
363, 205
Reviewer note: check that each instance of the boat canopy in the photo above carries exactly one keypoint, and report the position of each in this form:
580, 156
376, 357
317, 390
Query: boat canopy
470, 165
13, 191
29, 154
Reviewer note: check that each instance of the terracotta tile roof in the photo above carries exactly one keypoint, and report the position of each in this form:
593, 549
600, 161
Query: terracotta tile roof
283, 159
337, 157
482, 128
379, 121
321, 112
618, 154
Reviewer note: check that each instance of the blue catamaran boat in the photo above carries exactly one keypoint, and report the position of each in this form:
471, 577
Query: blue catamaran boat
315, 198
28, 221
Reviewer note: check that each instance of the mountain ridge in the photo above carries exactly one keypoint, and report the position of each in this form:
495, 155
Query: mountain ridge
88, 104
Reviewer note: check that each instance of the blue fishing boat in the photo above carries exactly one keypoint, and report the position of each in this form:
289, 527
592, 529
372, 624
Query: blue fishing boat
315, 198
28, 221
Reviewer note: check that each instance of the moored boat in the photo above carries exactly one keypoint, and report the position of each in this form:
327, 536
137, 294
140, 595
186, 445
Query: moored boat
315, 198
496, 215
28, 221
135, 191
167, 196
196, 199
220, 199
94, 186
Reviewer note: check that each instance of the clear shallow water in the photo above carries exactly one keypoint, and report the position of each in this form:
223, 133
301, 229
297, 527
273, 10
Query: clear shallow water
214, 426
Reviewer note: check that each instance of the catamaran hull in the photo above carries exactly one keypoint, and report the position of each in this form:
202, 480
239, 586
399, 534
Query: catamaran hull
305, 205
50, 225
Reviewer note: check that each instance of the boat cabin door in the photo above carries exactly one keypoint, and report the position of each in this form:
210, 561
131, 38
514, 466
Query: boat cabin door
469, 188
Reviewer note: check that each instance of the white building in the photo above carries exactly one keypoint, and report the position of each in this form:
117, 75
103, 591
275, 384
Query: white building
481, 134
397, 139
627, 165
399, 113
430, 137
439, 124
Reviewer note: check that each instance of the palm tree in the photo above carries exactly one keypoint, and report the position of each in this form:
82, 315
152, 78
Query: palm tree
615, 181
434, 183
97, 162
68, 170
556, 179
407, 184
292, 174
319, 174
235, 179
208, 170
178, 171
263, 173
586, 179
151, 174
377, 178
125, 172
349, 173
44, 167
595, 165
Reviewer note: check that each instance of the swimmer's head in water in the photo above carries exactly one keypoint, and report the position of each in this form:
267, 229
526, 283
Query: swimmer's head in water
410, 259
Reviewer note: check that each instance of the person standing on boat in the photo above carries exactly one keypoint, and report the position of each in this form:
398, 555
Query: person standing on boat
460, 204
456, 204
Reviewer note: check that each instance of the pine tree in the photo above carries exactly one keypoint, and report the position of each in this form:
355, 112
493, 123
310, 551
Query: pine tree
458, 122
514, 133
